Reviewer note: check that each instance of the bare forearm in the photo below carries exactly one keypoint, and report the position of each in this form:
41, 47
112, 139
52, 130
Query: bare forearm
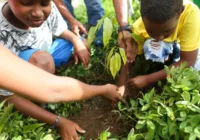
28, 108
63, 10
70, 89
121, 9
29, 81
68, 35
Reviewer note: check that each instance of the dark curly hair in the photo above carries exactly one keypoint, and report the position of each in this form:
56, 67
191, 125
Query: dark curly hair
160, 11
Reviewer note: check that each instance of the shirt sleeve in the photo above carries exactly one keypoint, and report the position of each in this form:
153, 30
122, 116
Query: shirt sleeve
56, 22
190, 30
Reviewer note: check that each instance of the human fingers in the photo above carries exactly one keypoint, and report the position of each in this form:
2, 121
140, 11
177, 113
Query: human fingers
79, 129
120, 98
75, 59
130, 84
129, 54
82, 29
120, 40
87, 58
76, 31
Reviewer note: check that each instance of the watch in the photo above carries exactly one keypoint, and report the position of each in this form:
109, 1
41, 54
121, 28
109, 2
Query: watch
126, 27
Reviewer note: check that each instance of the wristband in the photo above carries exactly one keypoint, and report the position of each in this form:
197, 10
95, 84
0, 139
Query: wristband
126, 27
56, 121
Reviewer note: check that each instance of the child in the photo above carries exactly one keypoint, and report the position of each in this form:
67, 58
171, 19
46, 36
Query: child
171, 32
27, 28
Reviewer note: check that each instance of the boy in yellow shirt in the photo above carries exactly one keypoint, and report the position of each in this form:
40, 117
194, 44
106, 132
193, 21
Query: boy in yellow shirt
171, 32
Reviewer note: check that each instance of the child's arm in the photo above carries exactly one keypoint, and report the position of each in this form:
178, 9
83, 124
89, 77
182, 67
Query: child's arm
66, 127
75, 25
28, 80
142, 81
79, 48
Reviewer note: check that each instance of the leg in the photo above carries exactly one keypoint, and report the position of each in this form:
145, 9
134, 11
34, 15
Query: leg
95, 11
39, 58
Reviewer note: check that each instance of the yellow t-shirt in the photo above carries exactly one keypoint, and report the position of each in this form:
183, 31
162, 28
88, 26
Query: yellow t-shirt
187, 32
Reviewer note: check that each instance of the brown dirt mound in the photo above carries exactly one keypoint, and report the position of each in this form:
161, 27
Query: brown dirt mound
97, 116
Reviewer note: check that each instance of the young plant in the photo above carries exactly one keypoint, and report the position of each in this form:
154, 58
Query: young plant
115, 56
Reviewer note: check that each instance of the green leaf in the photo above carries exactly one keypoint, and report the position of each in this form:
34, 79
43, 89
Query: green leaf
150, 125
192, 136
159, 83
2, 104
165, 130
159, 111
104, 135
188, 129
149, 135
186, 96
4, 136
145, 107
161, 122
48, 137
115, 64
4, 117
140, 124
197, 130
91, 35
171, 101
107, 31
32, 127
195, 99
183, 125
183, 114
137, 38
123, 55
93, 30
170, 113
148, 96
17, 138
109, 57
167, 69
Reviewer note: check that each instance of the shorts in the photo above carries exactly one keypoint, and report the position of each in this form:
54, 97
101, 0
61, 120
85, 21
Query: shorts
61, 50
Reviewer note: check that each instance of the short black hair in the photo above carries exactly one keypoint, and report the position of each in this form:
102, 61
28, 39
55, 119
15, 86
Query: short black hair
160, 11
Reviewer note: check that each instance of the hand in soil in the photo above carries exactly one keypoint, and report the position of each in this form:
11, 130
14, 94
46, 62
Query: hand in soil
137, 82
113, 93
68, 129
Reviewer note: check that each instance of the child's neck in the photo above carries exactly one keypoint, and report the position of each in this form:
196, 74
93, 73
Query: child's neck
8, 14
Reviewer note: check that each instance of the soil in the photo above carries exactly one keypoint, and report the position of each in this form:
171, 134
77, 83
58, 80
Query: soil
97, 116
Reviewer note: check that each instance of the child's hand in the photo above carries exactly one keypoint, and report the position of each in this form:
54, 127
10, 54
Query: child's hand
77, 27
81, 52
113, 93
138, 82
68, 129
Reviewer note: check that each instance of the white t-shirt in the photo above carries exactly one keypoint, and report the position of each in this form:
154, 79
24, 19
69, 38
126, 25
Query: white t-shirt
16, 39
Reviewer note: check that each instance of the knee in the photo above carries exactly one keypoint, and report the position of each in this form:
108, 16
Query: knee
43, 60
